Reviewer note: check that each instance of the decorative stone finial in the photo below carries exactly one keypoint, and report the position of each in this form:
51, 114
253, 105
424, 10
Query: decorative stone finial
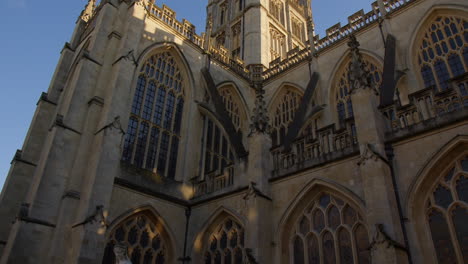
88, 11
260, 120
360, 77
209, 28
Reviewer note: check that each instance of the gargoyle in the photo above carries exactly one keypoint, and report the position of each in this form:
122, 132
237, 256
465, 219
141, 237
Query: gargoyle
97, 216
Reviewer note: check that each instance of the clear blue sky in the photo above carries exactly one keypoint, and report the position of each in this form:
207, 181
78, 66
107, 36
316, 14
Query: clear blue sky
33, 32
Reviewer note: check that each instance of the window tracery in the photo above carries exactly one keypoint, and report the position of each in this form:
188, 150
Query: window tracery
277, 44
442, 50
236, 40
277, 10
330, 229
283, 114
297, 28
344, 104
447, 214
142, 235
232, 105
153, 132
217, 151
226, 244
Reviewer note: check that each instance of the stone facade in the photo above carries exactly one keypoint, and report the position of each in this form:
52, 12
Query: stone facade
256, 142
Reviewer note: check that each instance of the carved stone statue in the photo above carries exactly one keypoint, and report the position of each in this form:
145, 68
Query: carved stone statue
121, 255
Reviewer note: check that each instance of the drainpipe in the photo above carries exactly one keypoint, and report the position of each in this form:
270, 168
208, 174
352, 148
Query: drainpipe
185, 258
390, 155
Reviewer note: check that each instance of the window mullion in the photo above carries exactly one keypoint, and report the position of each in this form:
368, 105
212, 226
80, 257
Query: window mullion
137, 131
453, 236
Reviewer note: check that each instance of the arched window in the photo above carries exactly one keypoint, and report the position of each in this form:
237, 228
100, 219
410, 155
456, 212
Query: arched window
447, 214
330, 229
141, 233
153, 133
218, 155
226, 244
442, 50
233, 106
344, 104
284, 111
277, 10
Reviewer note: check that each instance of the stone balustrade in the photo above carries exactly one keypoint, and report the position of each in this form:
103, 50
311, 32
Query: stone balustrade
321, 145
429, 103
214, 182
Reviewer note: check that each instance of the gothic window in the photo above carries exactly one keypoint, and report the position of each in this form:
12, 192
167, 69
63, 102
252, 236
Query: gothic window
232, 105
443, 47
283, 114
226, 243
222, 14
141, 233
447, 214
344, 104
277, 44
221, 40
297, 28
330, 229
236, 40
218, 154
153, 133
277, 10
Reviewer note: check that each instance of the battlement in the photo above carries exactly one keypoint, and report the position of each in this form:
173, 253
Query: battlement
168, 16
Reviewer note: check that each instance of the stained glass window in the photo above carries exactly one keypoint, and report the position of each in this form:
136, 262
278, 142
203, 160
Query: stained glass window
447, 214
153, 133
440, 48
226, 243
283, 114
344, 104
342, 231
141, 233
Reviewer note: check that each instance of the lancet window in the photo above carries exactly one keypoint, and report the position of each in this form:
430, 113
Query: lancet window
283, 115
142, 235
153, 133
329, 230
447, 214
277, 10
232, 104
443, 51
277, 44
217, 152
226, 244
344, 104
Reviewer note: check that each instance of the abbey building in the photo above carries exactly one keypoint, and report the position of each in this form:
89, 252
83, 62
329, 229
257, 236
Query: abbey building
257, 141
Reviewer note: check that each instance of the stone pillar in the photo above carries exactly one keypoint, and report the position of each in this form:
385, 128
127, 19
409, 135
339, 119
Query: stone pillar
382, 212
259, 204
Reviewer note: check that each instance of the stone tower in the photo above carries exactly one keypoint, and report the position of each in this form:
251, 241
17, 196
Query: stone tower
259, 31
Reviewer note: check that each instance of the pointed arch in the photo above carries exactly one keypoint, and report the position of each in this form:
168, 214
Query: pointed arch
432, 197
161, 95
178, 54
234, 104
217, 151
339, 86
318, 201
437, 35
282, 109
146, 235
203, 241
